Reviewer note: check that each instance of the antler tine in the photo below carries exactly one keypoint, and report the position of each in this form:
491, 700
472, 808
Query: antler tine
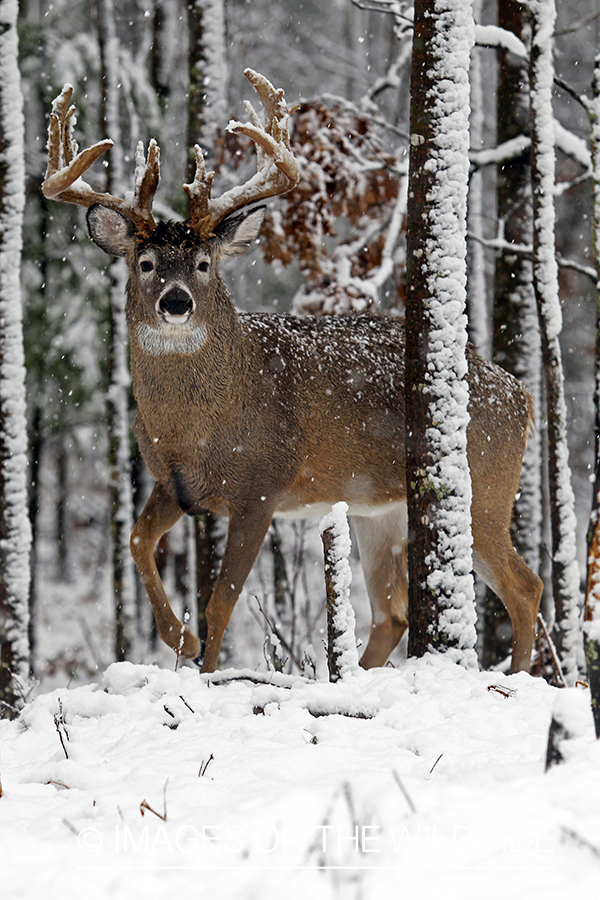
66, 165
146, 181
199, 192
271, 98
277, 168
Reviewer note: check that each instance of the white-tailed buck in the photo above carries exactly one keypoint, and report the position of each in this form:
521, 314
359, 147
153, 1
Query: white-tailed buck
252, 416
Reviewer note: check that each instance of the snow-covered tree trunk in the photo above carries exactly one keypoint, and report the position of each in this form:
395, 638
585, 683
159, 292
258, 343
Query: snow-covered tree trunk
15, 531
565, 571
441, 596
516, 329
207, 111
591, 628
342, 656
516, 341
117, 402
207, 101
478, 317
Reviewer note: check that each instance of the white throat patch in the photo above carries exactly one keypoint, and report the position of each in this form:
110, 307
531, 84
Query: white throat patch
171, 338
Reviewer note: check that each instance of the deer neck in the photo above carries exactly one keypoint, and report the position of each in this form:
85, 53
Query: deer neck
188, 391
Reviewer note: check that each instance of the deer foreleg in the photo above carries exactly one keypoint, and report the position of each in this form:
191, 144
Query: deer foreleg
160, 513
245, 535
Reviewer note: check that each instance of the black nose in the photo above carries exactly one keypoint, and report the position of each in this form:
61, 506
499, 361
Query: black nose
176, 302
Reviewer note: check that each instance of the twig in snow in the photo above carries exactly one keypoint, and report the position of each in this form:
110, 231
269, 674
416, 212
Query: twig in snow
204, 766
61, 727
553, 654
501, 689
405, 793
175, 723
259, 678
145, 805
181, 697
71, 828
572, 835
435, 763
186, 617
277, 632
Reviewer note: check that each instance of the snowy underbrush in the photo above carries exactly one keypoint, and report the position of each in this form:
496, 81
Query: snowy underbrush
427, 780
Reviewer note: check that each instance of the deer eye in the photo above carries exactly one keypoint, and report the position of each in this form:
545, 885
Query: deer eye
146, 265
203, 266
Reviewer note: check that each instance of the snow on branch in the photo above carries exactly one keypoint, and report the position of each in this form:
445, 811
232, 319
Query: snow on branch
492, 36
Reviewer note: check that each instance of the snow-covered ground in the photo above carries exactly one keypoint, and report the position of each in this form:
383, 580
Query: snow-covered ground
425, 780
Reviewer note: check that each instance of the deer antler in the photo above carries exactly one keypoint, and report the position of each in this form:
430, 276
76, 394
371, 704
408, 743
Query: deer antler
277, 168
66, 165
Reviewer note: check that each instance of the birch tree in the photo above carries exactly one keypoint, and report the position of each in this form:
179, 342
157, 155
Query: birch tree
565, 571
441, 596
15, 531
118, 391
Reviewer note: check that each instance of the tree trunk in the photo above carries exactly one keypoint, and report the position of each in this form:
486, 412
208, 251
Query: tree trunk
207, 103
477, 311
441, 602
15, 530
516, 341
207, 110
62, 494
206, 537
591, 627
565, 570
117, 403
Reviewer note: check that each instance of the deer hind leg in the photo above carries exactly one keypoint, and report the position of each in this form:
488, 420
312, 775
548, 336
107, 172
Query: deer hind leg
503, 570
160, 513
382, 548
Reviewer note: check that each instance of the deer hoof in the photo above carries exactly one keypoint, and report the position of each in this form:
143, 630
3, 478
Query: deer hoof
198, 660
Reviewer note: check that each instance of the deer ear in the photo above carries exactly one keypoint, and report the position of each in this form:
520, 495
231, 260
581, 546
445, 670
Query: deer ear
238, 233
110, 230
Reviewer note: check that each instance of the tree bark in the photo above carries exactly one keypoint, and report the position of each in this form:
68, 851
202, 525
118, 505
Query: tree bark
477, 307
565, 570
441, 598
516, 341
117, 403
207, 102
207, 111
15, 530
591, 628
